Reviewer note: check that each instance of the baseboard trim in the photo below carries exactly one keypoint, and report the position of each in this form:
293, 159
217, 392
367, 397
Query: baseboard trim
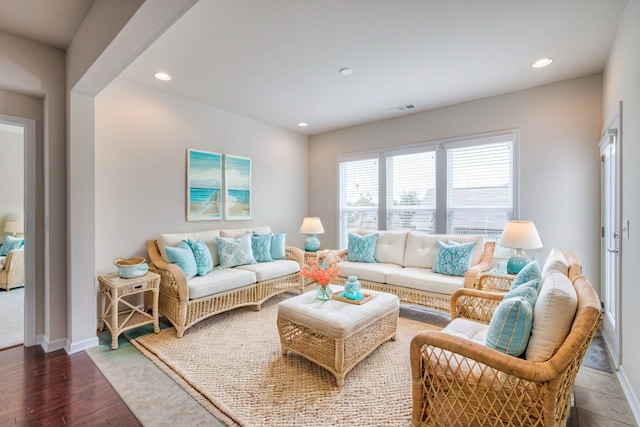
628, 392
49, 346
74, 347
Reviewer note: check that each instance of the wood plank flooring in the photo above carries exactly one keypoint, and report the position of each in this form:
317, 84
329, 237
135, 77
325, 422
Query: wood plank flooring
56, 389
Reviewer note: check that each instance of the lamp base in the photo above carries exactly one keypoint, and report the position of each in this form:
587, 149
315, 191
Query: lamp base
312, 244
517, 262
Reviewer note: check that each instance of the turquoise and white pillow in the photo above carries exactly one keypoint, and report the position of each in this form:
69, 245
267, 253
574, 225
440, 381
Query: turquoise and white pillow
510, 326
261, 247
277, 245
182, 256
10, 243
202, 255
529, 272
234, 252
454, 259
362, 248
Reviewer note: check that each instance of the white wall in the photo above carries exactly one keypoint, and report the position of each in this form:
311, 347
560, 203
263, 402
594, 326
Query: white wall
11, 177
622, 82
142, 137
559, 169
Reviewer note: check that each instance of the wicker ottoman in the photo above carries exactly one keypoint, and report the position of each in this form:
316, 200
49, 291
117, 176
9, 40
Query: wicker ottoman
334, 334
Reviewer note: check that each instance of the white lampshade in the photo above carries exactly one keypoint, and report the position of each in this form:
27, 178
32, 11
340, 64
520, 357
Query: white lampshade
15, 227
520, 235
311, 225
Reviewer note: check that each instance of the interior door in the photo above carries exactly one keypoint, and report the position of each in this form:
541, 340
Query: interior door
611, 238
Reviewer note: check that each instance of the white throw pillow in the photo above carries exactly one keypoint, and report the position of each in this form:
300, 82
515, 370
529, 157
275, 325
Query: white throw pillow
553, 316
556, 261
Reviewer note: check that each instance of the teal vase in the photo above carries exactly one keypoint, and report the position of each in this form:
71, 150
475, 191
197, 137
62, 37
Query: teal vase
323, 293
352, 288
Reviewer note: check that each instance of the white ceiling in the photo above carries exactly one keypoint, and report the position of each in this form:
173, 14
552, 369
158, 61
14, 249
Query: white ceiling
277, 61
52, 22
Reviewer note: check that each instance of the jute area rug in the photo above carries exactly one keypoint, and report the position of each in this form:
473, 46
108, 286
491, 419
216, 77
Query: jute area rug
232, 363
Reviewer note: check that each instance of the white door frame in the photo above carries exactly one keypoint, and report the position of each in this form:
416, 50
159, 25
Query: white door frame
29, 126
610, 292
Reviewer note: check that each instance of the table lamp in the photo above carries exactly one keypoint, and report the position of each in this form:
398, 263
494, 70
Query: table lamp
311, 226
14, 227
519, 235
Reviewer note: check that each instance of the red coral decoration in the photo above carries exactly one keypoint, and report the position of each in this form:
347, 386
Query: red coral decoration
320, 272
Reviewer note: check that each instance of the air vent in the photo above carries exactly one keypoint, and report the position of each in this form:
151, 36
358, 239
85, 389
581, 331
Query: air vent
402, 108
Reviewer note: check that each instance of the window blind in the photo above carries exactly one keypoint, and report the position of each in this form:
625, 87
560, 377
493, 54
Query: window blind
359, 196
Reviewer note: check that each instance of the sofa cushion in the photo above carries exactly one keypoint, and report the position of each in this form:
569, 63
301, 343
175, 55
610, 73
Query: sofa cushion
454, 259
467, 329
510, 326
172, 240
182, 256
421, 249
373, 272
278, 243
556, 261
424, 279
219, 281
235, 251
272, 270
261, 247
389, 246
552, 316
238, 232
529, 272
362, 248
202, 255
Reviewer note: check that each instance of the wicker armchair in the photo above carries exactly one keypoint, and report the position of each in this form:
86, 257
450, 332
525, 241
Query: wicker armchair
12, 271
457, 382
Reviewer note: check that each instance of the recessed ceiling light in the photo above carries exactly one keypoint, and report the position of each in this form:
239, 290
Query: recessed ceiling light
345, 71
542, 62
162, 76
303, 124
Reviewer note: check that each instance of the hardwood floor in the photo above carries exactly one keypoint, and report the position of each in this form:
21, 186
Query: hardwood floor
55, 389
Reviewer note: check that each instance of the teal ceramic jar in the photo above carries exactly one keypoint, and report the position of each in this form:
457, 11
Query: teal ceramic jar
352, 288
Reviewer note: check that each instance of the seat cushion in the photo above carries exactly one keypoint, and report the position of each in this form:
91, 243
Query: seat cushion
423, 279
271, 270
552, 317
373, 272
219, 281
172, 240
467, 329
2, 261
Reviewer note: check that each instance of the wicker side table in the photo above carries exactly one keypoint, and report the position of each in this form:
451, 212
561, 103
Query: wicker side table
309, 256
114, 288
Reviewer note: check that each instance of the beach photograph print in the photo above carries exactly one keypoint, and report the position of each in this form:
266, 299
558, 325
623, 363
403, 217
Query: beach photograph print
204, 186
237, 182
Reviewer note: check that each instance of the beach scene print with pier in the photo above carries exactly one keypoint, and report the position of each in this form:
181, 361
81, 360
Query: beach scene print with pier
204, 186
237, 178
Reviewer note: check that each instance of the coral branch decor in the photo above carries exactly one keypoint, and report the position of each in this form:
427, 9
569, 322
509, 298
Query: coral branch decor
323, 274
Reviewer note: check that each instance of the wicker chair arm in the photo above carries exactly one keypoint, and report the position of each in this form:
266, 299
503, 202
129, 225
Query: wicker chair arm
475, 304
294, 254
473, 274
476, 353
15, 259
172, 279
334, 255
495, 282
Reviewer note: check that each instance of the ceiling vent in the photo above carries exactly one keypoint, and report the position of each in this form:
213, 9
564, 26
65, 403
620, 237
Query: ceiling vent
406, 107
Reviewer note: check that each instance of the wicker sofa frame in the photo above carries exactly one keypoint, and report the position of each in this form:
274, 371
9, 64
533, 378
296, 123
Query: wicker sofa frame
12, 275
174, 302
456, 382
415, 296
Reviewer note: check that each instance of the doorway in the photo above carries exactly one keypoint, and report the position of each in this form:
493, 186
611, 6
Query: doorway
612, 229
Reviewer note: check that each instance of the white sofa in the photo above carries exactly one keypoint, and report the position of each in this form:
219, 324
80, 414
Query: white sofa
185, 302
404, 261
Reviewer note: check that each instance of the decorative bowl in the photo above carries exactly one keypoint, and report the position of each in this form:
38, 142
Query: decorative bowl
129, 268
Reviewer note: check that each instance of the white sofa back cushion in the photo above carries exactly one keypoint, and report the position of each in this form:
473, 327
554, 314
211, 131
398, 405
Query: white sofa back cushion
208, 236
556, 261
389, 246
552, 317
239, 232
421, 248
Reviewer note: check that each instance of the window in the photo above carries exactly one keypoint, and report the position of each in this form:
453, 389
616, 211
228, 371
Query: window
458, 186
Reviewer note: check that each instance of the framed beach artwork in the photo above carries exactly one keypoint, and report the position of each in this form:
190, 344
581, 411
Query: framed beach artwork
204, 186
237, 184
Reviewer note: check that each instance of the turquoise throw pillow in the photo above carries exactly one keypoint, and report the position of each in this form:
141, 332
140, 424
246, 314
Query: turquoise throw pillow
278, 245
362, 248
510, 326
453, 260
234, 252
202, 255
10, 243
261, 247
182, 256
529, 272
